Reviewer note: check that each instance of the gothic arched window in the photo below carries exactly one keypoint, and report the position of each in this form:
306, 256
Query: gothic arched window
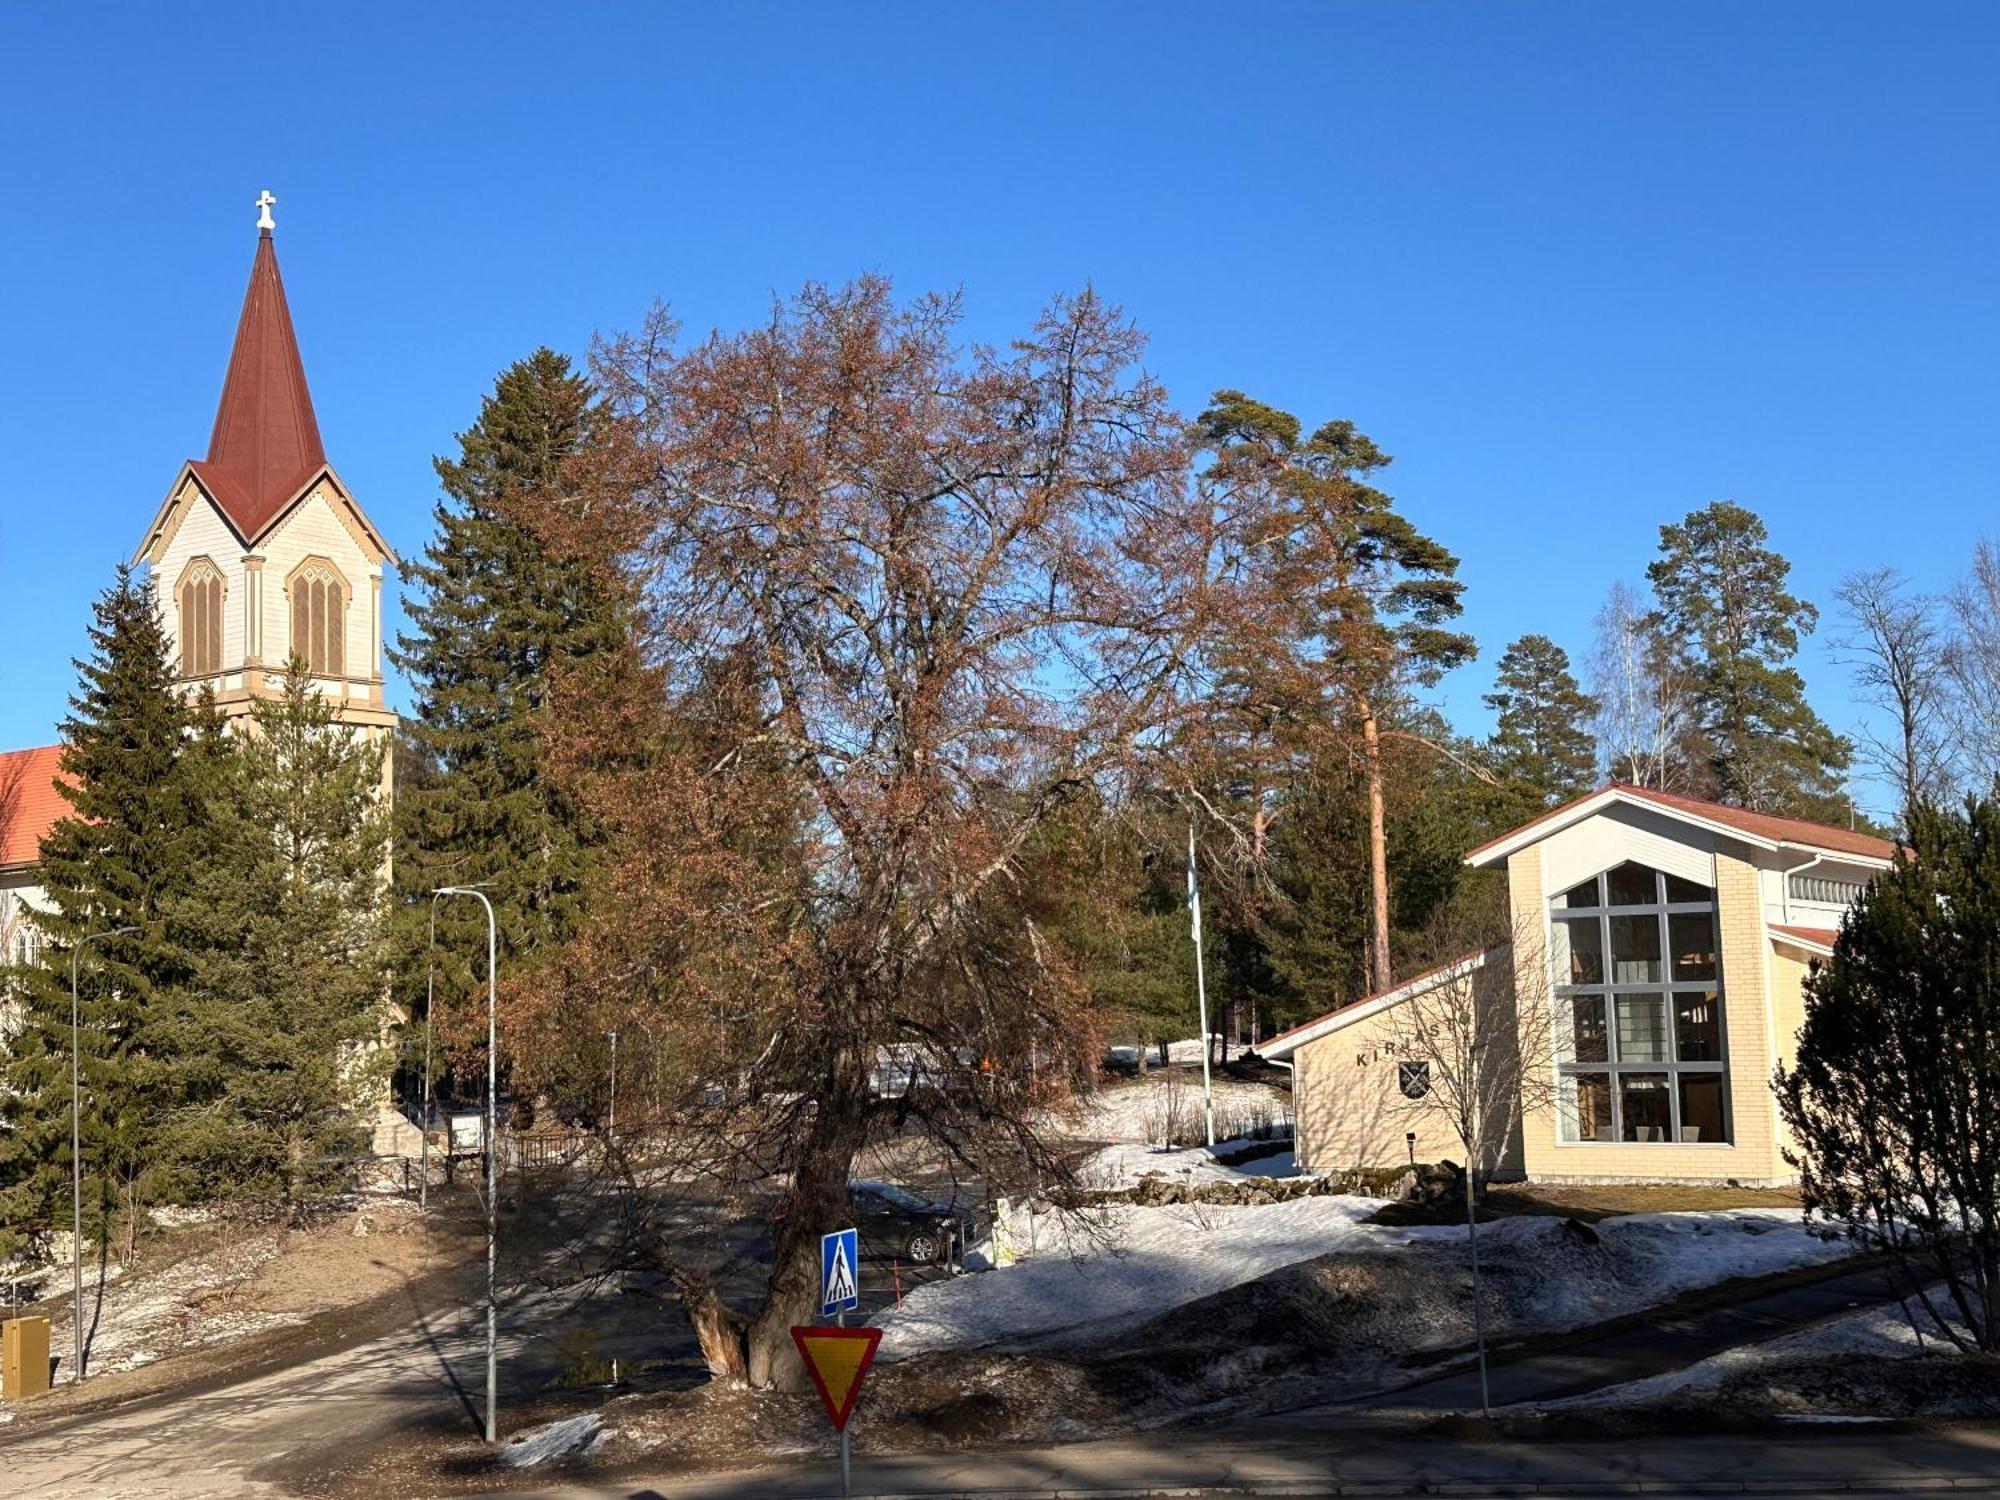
319, 618
201, 618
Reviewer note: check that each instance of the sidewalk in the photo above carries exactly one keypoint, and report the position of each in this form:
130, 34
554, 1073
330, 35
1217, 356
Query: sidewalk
1851, 1461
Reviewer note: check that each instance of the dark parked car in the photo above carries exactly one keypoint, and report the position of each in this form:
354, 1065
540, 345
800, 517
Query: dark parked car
897, 1224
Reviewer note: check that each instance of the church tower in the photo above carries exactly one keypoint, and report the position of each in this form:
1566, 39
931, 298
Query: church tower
259, 552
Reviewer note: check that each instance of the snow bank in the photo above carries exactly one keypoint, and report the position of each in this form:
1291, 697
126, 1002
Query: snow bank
540, 1445
1127, 1264
1653, 1258
1123, 1165
1123, 1266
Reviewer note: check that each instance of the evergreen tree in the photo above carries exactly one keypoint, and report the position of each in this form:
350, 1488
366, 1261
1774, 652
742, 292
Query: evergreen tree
288, 977
137, 828
1723, 604
496, 612
1890, 1100
1361, 603
1543, 738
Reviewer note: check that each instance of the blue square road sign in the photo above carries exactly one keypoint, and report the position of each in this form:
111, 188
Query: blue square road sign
839, 1272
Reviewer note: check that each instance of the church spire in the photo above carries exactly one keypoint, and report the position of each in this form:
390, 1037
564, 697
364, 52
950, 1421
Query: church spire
266, 440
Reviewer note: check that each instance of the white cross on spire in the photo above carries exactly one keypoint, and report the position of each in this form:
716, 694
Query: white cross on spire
264, 201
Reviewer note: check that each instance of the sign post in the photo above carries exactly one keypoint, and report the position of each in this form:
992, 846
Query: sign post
837, 1359
839, 1294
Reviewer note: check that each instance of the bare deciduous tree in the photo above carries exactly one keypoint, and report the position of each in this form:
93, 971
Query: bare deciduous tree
1903, 662
1484, 1036
911, 605
1975, 608
1643, 698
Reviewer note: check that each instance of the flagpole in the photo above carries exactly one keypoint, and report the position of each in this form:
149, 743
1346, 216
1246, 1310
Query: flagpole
1200, 990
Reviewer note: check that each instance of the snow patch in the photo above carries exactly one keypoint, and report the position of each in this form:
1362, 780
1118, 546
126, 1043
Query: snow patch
540, 1445
1119, 1266
1123, 1165
1124, 1264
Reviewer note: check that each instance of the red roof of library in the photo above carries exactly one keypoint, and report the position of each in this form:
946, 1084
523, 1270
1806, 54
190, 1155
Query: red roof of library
1768, 826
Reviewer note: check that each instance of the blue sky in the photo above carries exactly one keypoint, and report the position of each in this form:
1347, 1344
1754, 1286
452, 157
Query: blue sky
1585, 266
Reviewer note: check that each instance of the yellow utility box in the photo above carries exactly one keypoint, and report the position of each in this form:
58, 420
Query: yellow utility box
24, 1358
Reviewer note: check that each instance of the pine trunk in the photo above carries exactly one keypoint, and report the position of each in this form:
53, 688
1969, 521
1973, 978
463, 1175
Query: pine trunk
1380, 977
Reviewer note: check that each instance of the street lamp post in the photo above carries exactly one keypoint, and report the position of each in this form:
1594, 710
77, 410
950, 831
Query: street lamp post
424, 1118
611, 1127
492, 1162
76, 1151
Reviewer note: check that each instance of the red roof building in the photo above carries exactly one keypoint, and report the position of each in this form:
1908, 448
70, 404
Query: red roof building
30, 803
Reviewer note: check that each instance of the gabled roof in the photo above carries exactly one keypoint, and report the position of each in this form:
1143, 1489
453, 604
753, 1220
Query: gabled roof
30, 804
1287, 1042
266, 441
167, 518
1819, 940
1764, 830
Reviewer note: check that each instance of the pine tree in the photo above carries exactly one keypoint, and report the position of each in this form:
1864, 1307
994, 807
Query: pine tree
1366, 600
287, 982
138, 825
496, 611
1723, 604
1543, 737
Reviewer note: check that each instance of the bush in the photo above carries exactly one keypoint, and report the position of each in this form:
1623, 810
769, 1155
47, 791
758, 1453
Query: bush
1893, 1098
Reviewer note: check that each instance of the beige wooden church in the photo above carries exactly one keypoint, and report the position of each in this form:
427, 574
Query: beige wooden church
257, 552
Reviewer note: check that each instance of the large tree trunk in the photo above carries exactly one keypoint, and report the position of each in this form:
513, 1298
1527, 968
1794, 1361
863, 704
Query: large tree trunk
816, 1204
1380, 977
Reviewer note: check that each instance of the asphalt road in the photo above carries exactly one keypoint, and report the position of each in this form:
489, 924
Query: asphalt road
1376, 1461
429, 1375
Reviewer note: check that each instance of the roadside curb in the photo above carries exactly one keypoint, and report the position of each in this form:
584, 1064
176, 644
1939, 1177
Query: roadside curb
1293, 1490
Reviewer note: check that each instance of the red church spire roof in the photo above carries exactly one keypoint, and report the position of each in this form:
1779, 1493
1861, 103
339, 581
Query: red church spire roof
266, 441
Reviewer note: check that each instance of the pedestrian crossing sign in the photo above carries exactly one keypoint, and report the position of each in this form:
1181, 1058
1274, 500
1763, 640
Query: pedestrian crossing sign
839, 1260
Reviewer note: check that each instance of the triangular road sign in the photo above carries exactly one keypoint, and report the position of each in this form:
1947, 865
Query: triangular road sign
838, 1360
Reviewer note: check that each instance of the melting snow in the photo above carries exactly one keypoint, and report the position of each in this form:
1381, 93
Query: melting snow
1125, 1264
540, 1445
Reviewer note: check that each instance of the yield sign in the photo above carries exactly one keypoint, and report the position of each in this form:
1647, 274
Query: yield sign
837, 1359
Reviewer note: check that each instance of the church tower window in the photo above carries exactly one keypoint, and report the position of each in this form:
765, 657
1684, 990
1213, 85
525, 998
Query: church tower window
201, 594
319, 617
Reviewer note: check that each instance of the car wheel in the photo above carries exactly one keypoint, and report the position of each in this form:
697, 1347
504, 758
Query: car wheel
925, 1247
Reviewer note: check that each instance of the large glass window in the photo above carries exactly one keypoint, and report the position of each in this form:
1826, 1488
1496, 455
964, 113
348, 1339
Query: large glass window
1639, 1044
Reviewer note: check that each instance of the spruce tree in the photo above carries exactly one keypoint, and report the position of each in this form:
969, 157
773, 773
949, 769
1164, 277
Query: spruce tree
137, 828
1543, 737
1724, 607
495, 612
286, 993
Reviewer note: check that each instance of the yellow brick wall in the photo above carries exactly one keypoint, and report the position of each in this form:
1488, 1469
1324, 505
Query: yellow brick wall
1752, 1155
1788, 1011
1350, 1108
